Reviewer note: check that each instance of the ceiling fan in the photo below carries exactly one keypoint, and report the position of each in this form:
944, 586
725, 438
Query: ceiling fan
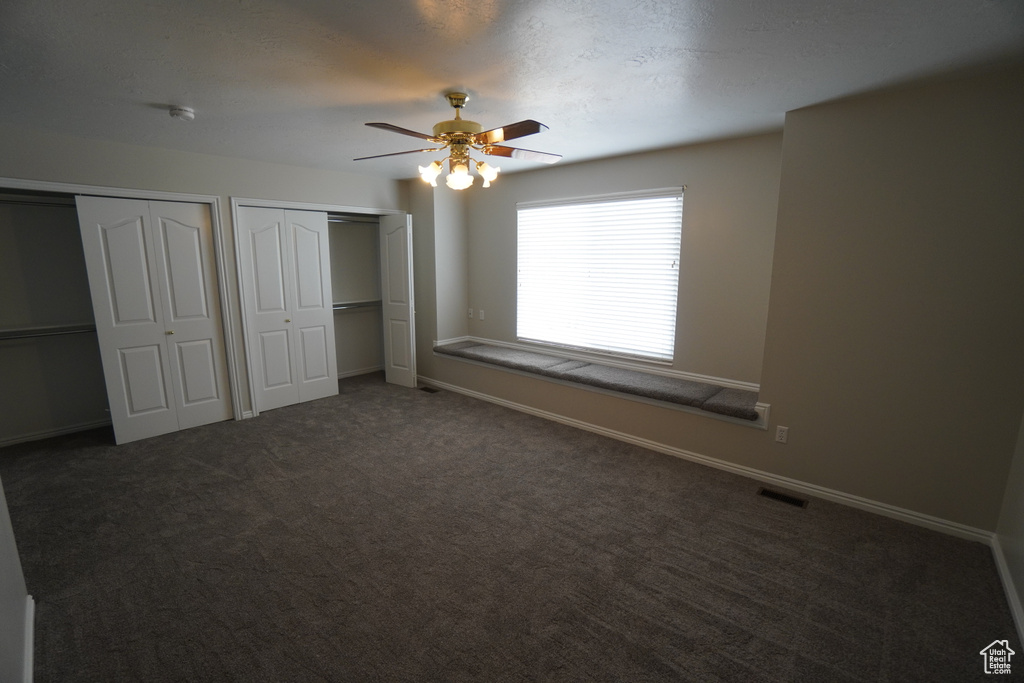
458, 137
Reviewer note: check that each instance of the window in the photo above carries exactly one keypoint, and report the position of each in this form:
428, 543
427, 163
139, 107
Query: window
601, 273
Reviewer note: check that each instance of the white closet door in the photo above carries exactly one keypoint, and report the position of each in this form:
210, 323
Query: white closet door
314, 356
183, 246
286, 287
129, 319
267, 292
397, 299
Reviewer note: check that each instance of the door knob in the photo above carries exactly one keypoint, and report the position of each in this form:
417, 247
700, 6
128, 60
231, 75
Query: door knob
287, 320
169, 332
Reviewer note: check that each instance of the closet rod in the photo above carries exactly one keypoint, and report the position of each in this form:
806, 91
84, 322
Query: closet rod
26, 199
372, 220
355, 304
46, 331
32, 202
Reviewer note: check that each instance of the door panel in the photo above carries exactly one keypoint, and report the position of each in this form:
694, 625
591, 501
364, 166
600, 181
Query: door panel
398, 339
269, 268
183, 263
266, 295
276, 357
143, 372
126, 265
397, 300
191, 304
314, 353
152, 275
397, 271
129, 319
198, 369
309, 273
315, 357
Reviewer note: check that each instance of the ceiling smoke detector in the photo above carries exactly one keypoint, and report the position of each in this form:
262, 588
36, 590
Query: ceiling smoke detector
183, 113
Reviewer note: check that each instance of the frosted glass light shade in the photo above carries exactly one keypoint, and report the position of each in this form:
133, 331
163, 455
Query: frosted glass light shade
459, 178
430, 173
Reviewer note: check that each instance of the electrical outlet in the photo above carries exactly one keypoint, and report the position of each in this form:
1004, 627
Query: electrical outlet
471, 313
481, 314
782, 434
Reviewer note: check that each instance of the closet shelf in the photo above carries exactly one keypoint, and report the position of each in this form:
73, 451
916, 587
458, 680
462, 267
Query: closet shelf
345, 305
44, 331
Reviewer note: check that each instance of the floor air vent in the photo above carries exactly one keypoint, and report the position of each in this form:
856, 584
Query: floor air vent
429, 390
782, 497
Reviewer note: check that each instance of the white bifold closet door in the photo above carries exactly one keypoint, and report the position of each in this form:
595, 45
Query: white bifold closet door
284, 260
397, 299
155, 298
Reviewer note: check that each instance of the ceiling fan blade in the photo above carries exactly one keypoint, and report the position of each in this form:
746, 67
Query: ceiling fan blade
510, 132
399, 129
395, 154
527, 154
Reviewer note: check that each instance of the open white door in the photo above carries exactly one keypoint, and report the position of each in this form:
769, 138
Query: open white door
155, 300
397, 299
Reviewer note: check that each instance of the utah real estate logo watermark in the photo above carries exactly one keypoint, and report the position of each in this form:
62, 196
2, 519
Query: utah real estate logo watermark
997, 657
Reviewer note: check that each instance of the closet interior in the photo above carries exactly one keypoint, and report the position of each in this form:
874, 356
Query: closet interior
50, 359
356, 293
49, 353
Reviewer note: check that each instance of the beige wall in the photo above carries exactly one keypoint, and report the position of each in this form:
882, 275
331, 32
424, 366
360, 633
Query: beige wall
729, 210
34, 155
451, 263
440, 268
892, 332
895, 325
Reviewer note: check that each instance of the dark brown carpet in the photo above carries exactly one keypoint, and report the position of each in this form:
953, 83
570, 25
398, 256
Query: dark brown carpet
391, 534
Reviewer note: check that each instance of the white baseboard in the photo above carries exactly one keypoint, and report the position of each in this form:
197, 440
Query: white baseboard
1009, 587
28, 659
47, 433
884, 509
361, 371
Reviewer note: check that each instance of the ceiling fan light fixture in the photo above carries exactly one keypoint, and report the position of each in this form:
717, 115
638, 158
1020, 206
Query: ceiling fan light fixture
430, 173
459, 178
487, 172
461, 137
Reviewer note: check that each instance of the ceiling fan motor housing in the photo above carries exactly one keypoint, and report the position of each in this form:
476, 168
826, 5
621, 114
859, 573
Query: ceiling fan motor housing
455, 127
457, 130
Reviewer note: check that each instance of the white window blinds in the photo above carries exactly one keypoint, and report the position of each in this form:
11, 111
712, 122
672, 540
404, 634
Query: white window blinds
601, 273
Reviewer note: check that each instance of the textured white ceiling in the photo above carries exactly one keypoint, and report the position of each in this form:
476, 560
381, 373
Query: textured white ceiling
293, 82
